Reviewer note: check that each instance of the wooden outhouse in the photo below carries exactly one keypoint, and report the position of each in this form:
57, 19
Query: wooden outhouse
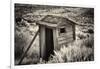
54, 32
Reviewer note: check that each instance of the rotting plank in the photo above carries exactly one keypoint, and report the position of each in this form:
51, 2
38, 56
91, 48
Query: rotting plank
65, 38
65, 41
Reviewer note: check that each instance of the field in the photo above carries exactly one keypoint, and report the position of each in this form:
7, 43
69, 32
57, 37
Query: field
26, 16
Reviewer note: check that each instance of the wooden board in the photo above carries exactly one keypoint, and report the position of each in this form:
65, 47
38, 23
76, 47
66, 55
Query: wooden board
65, 34
42, 42
65, 38
55, 38
50, 25
65, 41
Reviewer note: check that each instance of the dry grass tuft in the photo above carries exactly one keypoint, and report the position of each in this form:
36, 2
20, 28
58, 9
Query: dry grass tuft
80, 50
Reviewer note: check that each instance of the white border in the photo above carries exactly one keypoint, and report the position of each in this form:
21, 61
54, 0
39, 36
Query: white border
73, 3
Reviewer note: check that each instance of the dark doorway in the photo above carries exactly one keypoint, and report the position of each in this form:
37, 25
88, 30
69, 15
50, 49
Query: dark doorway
49, 42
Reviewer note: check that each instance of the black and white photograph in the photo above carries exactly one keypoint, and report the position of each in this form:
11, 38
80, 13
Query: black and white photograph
48, 34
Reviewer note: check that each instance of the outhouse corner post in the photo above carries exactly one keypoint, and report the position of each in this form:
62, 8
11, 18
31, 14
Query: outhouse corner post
42, 42
55, 38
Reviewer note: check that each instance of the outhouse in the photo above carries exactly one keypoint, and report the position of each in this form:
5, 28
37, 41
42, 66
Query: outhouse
54, 32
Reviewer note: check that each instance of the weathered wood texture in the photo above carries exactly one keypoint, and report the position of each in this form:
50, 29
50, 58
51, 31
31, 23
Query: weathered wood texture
42, 42
46, 42
47, 24
55, 39
54, 32
67, 36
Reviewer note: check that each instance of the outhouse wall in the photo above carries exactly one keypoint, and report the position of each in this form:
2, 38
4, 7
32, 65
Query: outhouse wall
65, 33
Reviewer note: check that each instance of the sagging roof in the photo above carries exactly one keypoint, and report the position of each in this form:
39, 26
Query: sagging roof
54, 21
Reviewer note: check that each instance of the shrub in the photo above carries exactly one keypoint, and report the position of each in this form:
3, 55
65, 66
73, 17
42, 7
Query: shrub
76, 51
82, 35
90, 31
89, 42
20, 42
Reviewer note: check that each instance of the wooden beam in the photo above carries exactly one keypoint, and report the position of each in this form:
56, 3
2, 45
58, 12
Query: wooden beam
55, 38
42, 42
47, 24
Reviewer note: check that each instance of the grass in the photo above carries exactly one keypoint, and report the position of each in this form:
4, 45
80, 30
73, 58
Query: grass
78, 51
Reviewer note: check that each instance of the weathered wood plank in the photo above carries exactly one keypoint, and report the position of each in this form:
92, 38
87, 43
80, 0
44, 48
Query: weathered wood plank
42, 41
47, 24
55, 38
68, 29
65, 41
65, 38
65, 34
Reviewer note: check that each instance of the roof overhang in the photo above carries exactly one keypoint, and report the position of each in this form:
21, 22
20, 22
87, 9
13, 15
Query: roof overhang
47, 24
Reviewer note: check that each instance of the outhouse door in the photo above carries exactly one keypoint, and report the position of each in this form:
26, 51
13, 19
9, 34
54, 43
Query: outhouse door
49, 42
